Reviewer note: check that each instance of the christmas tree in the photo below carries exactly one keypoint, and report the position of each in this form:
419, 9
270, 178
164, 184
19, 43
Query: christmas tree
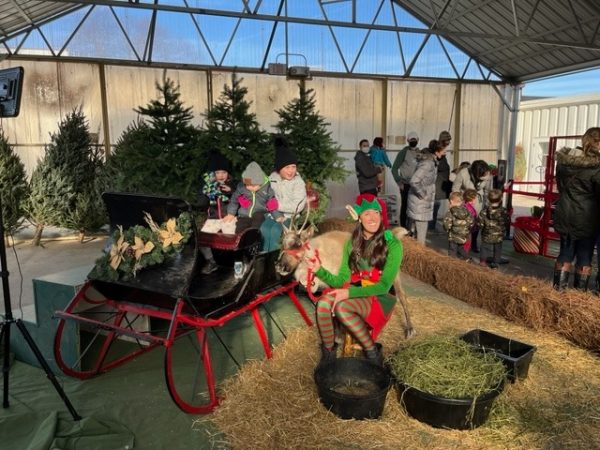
307, 134
160, 153
233, 130
65, 188
13, 186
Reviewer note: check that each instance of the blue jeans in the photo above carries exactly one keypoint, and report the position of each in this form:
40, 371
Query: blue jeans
271, 231
580, 249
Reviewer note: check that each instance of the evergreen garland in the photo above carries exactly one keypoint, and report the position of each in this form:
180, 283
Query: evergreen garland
232, 130
161, 152
13, 186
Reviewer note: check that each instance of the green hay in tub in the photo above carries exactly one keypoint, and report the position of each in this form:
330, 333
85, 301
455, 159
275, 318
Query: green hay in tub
446, 366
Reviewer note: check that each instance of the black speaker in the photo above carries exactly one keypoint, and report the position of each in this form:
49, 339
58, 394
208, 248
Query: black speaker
500, 177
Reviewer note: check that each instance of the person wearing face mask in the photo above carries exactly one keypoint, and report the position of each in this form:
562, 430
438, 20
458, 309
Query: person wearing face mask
422, 190
443, 187
366, 171
404, 166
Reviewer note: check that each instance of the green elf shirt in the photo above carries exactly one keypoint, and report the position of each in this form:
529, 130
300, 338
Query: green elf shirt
381, 288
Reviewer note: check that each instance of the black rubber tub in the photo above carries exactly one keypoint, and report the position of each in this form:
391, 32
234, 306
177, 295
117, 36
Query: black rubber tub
353, 388
443, 412
516, 356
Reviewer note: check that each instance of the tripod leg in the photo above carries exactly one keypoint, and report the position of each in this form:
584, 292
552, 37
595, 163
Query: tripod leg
46, 367
5, 337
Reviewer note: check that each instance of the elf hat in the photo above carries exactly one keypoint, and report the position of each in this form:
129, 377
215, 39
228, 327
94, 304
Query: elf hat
216, 161
283, 155
369, 201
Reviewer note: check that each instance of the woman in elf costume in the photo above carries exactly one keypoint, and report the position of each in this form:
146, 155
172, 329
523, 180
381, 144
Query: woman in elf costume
360, 298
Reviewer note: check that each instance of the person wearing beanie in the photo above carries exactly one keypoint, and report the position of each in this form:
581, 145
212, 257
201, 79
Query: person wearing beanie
217, 189
360, 298
290, 191
252, 200
403, 168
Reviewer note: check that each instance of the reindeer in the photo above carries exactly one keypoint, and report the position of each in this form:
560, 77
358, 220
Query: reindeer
298, 243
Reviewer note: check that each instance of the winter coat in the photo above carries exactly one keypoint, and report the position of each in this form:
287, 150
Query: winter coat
457, 222
578, 209
366, 172
291, 194
405, 164
442, 181
473, 213
422, 188
211, 195
493, 222
379, 156
465, 180
245, 203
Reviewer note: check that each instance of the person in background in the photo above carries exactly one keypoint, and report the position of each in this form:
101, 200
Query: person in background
366, 171
442, 181
463, 165
403, 168
252, 200
380, 158
577, 214
422, 190
493, 221
469, 198
474, 177
290, 192
217, 189
457, 223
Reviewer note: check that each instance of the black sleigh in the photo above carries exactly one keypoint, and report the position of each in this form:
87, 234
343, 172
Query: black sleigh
115, 321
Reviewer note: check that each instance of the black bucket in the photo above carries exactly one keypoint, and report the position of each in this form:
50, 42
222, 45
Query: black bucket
443, 412
353, 388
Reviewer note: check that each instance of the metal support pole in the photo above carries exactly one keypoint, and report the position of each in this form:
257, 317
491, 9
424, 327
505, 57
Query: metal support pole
512, 139
104, 103
457, 123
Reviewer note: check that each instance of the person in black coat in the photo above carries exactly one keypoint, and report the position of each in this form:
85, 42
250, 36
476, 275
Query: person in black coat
366, 171
442, 181
577, 215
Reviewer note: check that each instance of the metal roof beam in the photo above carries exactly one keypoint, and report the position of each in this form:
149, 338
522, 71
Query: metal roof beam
327, 23
557, 71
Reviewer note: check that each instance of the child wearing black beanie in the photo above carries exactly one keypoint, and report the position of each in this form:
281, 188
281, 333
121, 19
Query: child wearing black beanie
290, 191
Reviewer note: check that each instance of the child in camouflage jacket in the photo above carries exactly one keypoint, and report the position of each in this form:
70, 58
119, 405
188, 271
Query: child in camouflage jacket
493, 221
457, 222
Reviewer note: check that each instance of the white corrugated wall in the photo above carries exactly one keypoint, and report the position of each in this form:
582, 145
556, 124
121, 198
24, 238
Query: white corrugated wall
541, 119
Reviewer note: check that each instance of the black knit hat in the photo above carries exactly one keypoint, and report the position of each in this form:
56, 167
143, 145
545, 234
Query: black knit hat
216, 161
283, 155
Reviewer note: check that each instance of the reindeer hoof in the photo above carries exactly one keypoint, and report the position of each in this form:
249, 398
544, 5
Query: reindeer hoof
409, 333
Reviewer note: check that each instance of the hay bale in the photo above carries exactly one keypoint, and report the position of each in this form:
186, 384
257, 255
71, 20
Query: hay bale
273, 404
525, 300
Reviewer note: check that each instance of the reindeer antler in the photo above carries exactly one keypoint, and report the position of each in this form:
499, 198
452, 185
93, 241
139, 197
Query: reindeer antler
307, 214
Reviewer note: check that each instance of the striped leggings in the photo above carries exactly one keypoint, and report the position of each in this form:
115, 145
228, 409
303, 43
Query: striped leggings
351, 313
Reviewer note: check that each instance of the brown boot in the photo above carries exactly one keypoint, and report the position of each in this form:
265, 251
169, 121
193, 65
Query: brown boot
561, 276
582, 278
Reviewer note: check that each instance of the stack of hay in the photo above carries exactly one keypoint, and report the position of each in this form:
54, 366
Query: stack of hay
525, 300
